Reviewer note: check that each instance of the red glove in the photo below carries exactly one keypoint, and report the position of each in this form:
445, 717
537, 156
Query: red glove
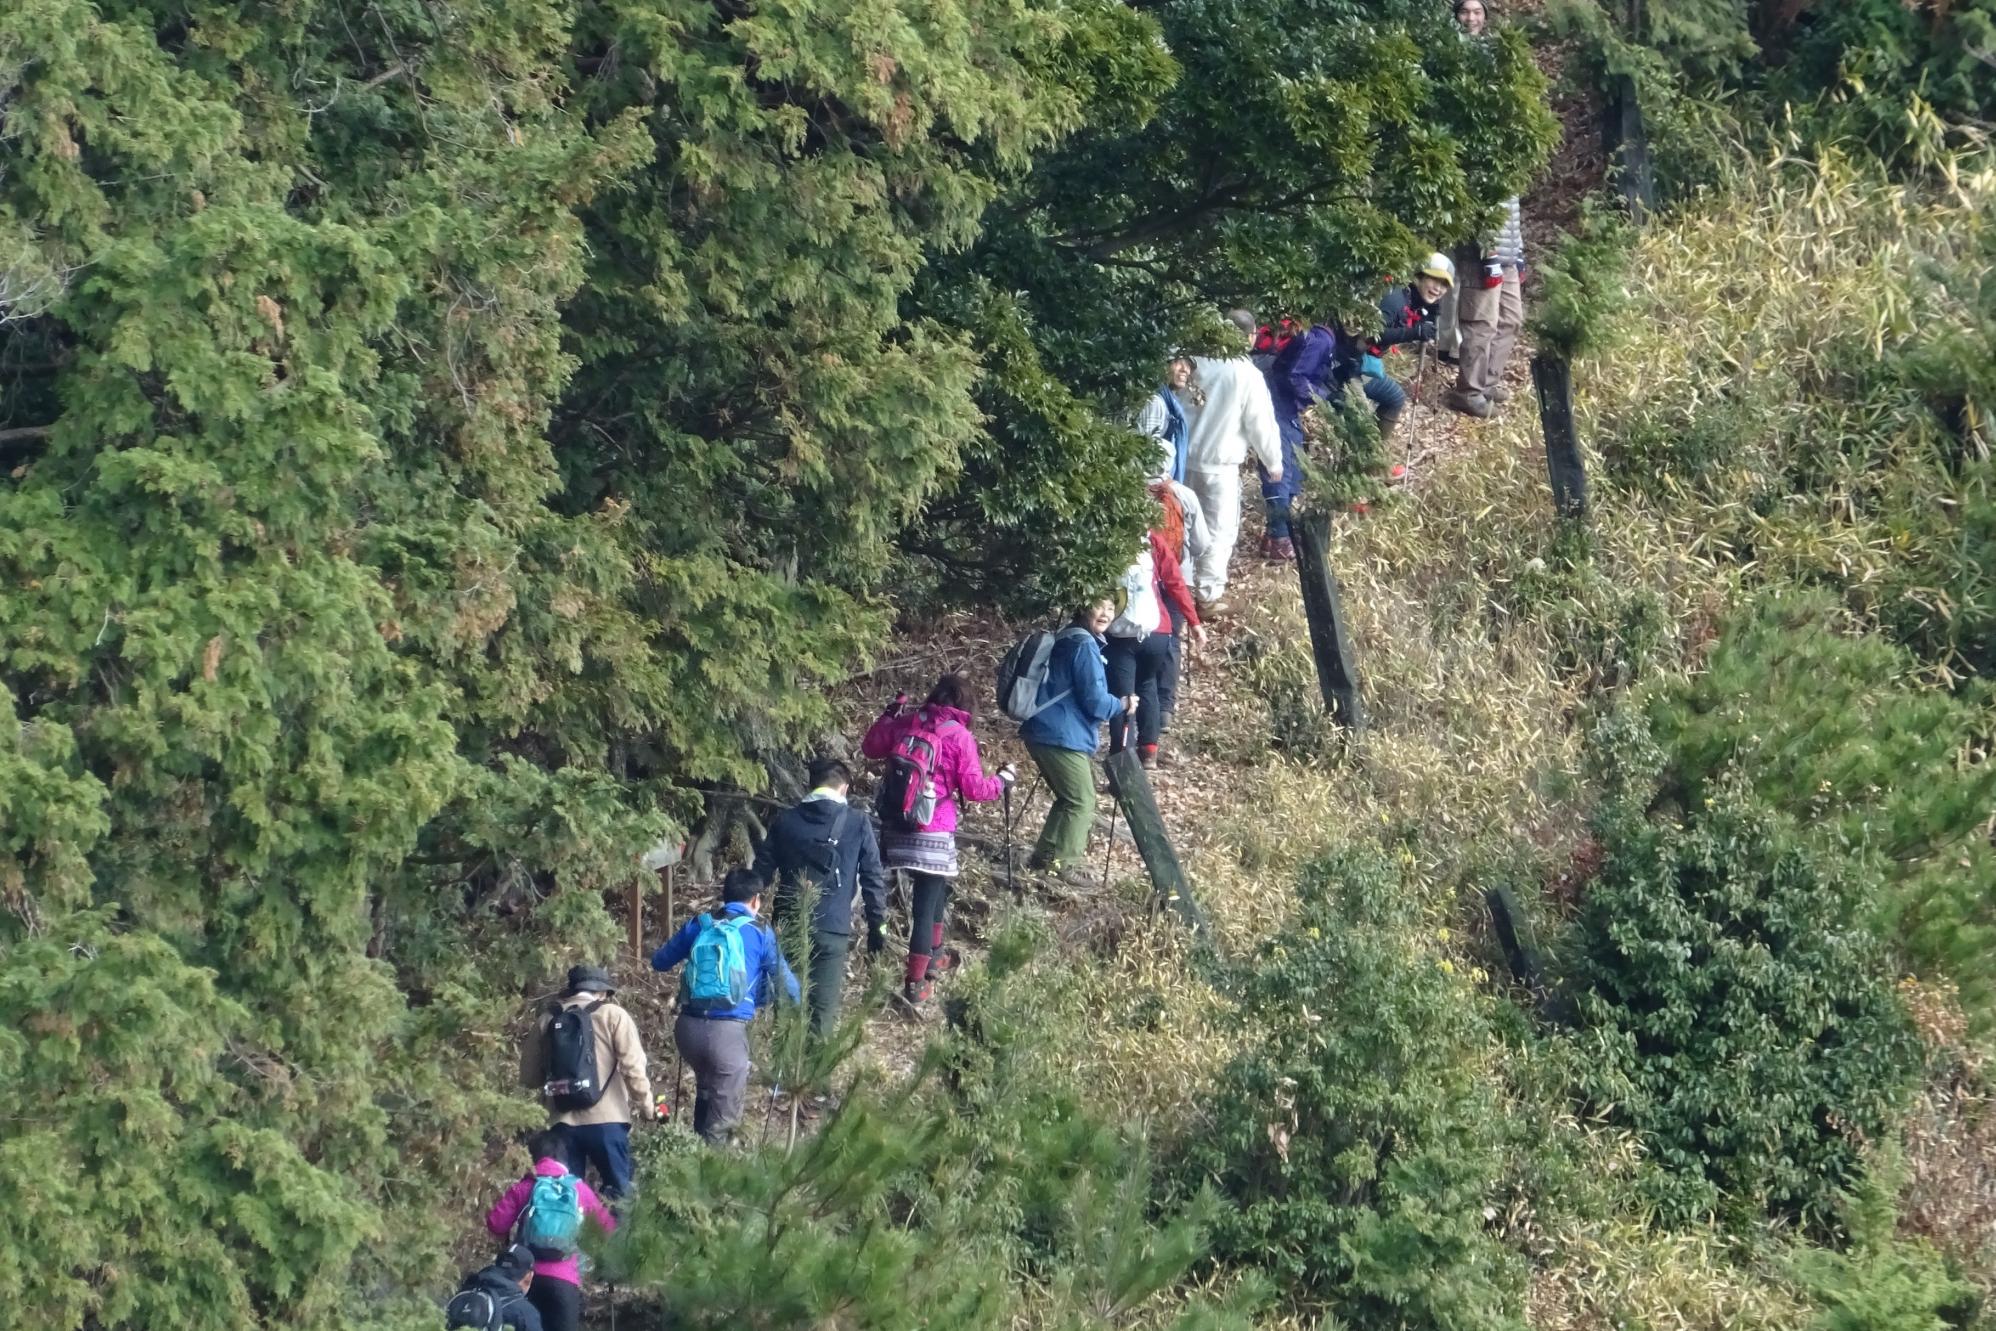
1493, 273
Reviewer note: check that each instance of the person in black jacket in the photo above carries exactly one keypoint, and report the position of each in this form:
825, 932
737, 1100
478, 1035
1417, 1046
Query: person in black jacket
495, 1296
1406, 315
823, 844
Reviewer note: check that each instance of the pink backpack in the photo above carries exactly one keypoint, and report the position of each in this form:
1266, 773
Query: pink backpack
907, 798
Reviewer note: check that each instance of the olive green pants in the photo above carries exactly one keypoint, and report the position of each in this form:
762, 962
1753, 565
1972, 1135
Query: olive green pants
1070, 777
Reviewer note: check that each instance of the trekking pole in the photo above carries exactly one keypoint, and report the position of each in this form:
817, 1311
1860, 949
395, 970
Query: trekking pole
675, 1078
1011, 882
1109, 852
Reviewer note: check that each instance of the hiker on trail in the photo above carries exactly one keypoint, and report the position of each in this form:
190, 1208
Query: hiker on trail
495, 1296
1406, 315
1269, 340
1229, 416
1183, 529
547, 1208
733, 958
1073, 702
1163, 417
933, 763
822, 845
1490, 305
586, 1060
1139, 646
1301, 377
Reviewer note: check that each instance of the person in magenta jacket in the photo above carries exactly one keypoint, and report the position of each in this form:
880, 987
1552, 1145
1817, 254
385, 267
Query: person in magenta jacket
557, 1289
929, 855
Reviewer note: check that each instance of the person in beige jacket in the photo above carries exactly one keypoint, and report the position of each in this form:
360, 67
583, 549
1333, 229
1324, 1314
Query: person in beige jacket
599, 1134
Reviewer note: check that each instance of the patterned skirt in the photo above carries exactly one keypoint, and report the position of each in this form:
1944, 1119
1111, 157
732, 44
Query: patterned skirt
920, 852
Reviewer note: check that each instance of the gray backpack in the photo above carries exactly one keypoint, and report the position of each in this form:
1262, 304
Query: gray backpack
1023, 673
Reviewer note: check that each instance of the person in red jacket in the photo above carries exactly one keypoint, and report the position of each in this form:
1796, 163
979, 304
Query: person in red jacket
1140, 643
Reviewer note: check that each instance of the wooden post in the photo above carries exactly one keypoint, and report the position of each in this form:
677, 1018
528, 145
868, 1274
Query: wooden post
1552, 376
661, 860
1330, 640
635, 926
1627, 144
1133, 795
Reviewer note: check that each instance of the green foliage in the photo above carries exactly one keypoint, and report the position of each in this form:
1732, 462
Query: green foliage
1733, 1007
1356, 1136
1888, 773
1881, 1282
1581, 287
939, 1203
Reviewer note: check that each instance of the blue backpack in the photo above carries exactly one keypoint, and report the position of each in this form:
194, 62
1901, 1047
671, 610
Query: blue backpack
717, 971
551, 1224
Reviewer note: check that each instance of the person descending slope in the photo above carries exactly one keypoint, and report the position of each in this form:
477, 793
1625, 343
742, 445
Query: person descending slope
1062, 733
820, 844
732, 959
1228, 416
587, 1062
933, 763
1406, 314
1301, 377
544, 1212
495, 1297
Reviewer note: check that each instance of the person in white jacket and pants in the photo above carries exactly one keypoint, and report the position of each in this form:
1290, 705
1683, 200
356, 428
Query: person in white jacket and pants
1229, 416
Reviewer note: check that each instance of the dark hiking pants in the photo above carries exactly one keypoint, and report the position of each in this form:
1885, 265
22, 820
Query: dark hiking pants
717, 1051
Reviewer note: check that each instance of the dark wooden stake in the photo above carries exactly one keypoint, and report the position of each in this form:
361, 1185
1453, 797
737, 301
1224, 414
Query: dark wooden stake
1330, 640
1627, 143
1170, 887
1552, 376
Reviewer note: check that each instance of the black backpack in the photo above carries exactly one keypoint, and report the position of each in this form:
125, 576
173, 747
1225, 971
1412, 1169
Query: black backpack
571, 1058
478, 1309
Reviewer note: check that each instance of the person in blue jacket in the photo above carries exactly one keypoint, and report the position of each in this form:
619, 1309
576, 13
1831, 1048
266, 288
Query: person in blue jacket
1304, 374
714, 1040
1062, 737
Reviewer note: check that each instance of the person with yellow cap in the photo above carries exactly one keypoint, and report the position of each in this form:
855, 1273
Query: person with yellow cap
1407, 314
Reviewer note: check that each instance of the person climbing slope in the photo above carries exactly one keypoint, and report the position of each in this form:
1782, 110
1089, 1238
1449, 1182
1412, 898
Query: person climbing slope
547, 1207
495, 1297
735, 964
1140, 642
933, 764
1183, 527
1229, 416
1062, 735
585, 1058
1163, 417
1304, 374
823, 846
1406, 315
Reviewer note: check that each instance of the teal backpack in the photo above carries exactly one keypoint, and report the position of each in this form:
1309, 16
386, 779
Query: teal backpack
717, 971
551, 1224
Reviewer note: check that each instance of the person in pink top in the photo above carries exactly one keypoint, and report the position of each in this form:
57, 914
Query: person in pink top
929, 855
557, 1289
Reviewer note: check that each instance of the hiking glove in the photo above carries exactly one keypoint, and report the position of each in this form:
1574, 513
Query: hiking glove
1493, 273
1008, 774
876, 939
1425, 330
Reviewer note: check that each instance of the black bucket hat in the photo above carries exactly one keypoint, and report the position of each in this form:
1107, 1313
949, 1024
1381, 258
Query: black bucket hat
589, 980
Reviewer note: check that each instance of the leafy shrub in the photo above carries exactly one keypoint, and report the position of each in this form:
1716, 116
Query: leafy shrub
1580, 286
1830, 726
1734, 1010
1881, 1282
1355, 1136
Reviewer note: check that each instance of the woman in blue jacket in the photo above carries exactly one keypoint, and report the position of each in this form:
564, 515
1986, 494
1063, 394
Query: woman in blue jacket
1062, 737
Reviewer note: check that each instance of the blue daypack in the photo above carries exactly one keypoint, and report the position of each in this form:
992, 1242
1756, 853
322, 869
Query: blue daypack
717, 971
551, 1223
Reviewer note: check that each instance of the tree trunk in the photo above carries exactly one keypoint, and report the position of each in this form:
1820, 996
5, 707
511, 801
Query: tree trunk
1133, 796
1330, 640
1553, 378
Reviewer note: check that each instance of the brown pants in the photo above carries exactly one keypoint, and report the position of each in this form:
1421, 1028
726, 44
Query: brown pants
1490, 318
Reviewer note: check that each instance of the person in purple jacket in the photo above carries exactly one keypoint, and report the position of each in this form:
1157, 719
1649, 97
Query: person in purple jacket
929, 855
1304, 374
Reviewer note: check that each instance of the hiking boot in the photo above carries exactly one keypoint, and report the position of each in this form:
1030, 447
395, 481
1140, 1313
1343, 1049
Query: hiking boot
1467, 404
1147, 755
1209, 609
917, 992
1498, 394
1278, 550
1396, 474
